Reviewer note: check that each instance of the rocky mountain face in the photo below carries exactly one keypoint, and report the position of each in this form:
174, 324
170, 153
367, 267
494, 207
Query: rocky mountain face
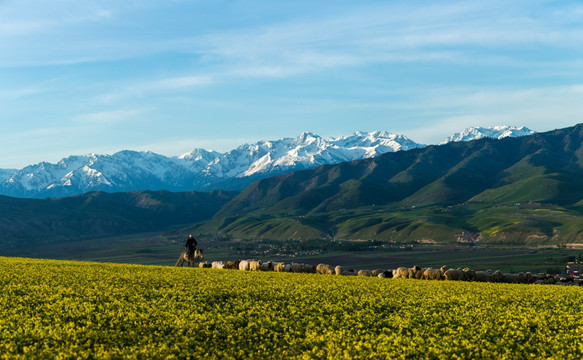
204, 170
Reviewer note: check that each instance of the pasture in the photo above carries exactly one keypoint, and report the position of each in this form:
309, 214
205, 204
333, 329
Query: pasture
157, 249
66, 309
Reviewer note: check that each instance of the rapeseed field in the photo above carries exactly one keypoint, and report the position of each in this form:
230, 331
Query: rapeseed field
81, 310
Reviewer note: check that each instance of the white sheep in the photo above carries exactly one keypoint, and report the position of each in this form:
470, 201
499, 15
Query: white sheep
453, 274
324, 269
376, 272
416, 272
433, 274
218, 265
364, 273
244, 265
401, 272
254, 265
278, 267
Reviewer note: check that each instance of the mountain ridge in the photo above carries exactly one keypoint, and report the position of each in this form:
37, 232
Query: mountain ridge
523, 189
204, 170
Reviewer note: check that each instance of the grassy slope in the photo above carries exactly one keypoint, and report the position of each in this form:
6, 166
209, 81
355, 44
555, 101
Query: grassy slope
91, 310
27, 222
433, 193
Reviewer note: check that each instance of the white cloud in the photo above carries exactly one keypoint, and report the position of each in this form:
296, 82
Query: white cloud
174, 83
146, 88
109, 117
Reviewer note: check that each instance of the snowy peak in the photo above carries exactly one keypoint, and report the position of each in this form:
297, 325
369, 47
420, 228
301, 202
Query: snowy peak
306, 138
494, 132
200, 155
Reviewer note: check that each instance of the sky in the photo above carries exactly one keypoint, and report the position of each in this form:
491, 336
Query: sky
80, 77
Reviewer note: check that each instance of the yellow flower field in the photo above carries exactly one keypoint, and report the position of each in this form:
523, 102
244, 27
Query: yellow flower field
65, 310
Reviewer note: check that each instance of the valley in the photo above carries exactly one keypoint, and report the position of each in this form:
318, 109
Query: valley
521, 196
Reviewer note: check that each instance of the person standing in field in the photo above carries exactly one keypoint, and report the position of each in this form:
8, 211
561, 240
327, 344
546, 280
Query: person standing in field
190, 245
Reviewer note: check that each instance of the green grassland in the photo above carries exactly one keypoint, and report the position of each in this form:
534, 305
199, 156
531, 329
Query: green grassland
498, 223
64, 309
163, 249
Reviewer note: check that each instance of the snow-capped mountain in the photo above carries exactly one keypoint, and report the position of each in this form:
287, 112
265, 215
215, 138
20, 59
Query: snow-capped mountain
200, 169
305, 151
203, 170
495, 132
122, 171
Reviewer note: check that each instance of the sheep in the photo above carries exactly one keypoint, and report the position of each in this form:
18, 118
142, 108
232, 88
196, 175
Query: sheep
364, 273
497, 276
204, 265
254, 265
376, 272
266, 266
232, 265
385, 274
244, 265
324, 269
483, 276
432, 274
218, 265
510, 278
452, 274
311, 269
278, 267
401, 272
297, 268
340, 271
469, 274
521, 278
416, 272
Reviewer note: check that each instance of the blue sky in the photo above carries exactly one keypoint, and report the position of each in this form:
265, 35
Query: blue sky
79, 77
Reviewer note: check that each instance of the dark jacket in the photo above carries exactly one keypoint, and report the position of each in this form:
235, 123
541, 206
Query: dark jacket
190, 243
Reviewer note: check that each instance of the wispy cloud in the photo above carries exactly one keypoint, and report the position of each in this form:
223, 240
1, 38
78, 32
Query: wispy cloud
146, 88
541, 109
384, 34
109, 117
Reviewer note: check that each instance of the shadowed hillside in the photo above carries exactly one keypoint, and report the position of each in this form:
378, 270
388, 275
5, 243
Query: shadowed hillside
432, 193
26, 222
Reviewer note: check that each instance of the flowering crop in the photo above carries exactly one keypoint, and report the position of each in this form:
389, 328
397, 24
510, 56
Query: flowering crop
65, 309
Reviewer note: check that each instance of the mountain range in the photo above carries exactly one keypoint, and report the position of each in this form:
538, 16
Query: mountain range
205, 170
523, 190
514, 190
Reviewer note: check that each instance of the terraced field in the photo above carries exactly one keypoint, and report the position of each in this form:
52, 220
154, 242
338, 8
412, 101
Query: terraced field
65, 309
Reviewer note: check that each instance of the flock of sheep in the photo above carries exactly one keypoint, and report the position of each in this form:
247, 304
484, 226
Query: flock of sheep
416, 272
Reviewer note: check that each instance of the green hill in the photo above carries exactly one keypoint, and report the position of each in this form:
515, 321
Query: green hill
28, 222
430, 194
